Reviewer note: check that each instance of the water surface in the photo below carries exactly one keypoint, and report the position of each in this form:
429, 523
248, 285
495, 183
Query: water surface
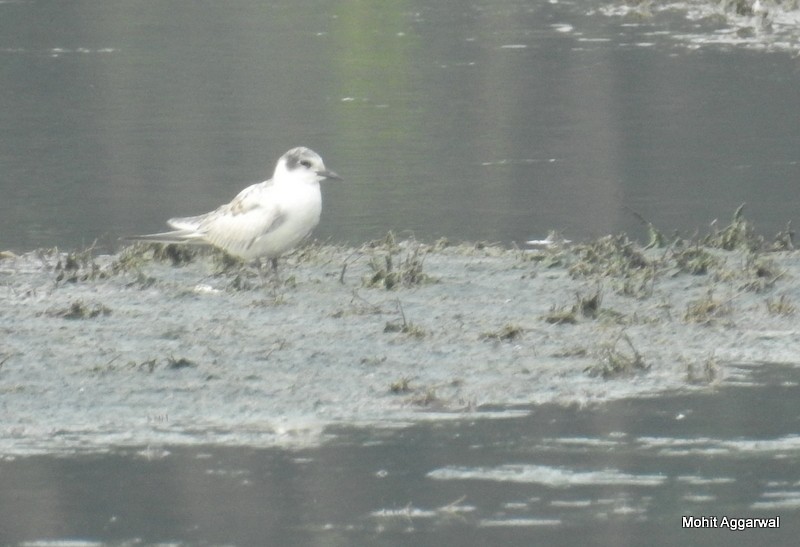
619, 473
481, 121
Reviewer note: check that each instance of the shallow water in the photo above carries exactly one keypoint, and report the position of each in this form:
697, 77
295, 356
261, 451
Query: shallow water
616, 473
484, 121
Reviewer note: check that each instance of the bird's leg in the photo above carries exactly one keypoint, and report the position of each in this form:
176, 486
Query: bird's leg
276, 278
261, 274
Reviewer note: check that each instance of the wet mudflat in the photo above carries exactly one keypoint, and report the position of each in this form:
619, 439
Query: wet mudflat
163, 346
400, 388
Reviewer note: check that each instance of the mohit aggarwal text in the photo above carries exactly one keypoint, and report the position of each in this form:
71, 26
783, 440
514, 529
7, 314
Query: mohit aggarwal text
733, 523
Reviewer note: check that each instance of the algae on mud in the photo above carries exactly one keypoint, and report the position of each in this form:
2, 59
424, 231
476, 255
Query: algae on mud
155, 346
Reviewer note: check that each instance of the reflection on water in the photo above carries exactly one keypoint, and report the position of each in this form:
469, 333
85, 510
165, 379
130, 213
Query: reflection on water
615, 474
482, 121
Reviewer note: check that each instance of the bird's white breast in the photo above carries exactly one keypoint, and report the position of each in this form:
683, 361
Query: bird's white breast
300, 206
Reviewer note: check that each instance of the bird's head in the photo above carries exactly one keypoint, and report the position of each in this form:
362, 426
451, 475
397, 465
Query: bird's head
302, 165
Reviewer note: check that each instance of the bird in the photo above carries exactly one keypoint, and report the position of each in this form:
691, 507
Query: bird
264, 220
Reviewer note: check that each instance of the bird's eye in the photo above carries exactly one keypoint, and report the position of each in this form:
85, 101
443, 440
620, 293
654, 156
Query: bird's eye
306, 164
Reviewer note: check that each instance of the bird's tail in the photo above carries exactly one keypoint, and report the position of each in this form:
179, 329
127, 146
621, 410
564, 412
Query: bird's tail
186, 231
175, 236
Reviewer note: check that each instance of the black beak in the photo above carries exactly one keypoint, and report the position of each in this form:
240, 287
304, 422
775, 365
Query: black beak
329, 175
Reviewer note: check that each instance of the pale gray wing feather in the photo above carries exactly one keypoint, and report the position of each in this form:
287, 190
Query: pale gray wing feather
175, 236
235, 225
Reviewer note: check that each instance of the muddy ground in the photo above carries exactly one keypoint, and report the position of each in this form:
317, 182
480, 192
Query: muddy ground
155, 346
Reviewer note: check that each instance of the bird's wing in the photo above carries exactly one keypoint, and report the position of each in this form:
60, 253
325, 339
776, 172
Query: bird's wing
236, 225
245, 199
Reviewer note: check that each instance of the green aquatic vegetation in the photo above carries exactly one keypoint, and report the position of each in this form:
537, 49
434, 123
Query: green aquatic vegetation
79, 310
611, 255
403, 325
391, 269
401, 385
781, 305
655, 239
706, 309
550, 258
706, 372
507, 333
587, 306
739, 7
761, 273
554, 252
694, 260
429, 395
738, 235
131, 258
632, 272
422, 396
112, 366
83, 266
389, 274
309, 251
149, 365
242, 281
572, 352
410, 329
135, 256
640, 284
560, 315
617, 360
76, 266
177, 255
145, 366
441, 244
784, 240
224, 262
358, 306
179, 363
373, 361
426, 397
